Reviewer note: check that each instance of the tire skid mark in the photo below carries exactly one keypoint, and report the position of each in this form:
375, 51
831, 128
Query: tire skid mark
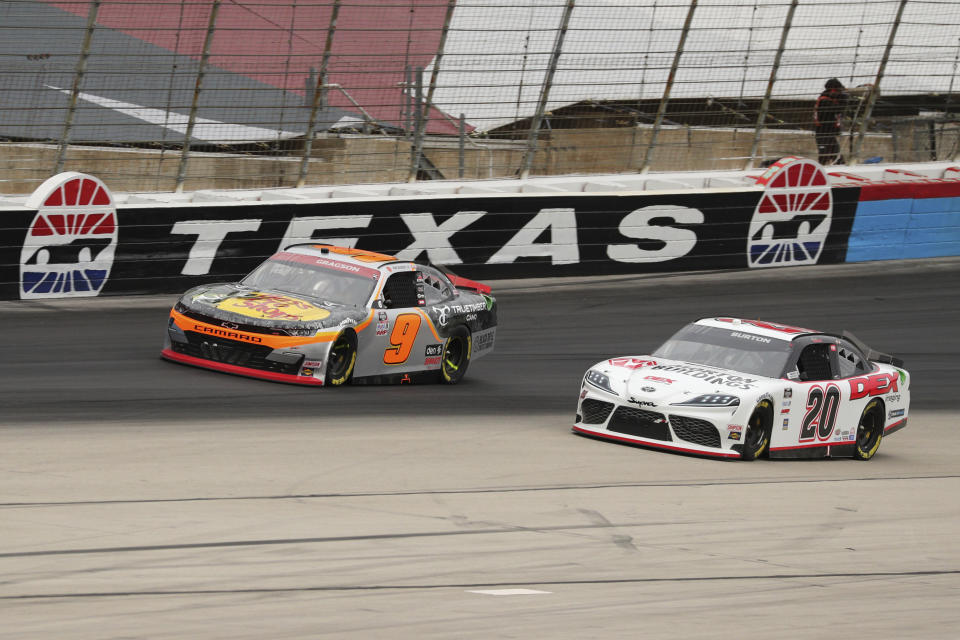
488, 585
469, 491
329, 539
623, 541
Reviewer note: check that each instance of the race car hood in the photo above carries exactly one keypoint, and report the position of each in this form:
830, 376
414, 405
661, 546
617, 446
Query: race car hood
660, 381
267, 308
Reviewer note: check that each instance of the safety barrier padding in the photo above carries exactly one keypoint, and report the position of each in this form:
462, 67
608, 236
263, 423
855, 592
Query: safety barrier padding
906, 219
72, 239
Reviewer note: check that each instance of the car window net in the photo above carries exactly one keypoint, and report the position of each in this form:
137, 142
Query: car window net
401, 290
814, 363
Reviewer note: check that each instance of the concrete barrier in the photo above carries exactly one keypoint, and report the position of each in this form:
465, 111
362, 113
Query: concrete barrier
73, 238
908, 216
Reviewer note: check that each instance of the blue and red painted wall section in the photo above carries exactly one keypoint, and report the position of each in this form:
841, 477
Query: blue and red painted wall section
906, 219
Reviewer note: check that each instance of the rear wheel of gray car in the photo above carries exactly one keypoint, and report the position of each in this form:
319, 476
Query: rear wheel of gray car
456, 355
756, 439
341, 359
869, 431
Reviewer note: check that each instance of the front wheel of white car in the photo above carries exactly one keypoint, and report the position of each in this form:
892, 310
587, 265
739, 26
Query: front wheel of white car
756, 439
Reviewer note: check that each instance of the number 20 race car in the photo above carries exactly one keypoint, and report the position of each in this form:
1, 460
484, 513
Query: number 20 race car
732, 388
322, 315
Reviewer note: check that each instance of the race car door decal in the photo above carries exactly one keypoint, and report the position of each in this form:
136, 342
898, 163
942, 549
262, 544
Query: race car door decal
402, 338
821, 415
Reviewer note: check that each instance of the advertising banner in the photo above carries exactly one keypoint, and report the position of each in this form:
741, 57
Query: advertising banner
71, 247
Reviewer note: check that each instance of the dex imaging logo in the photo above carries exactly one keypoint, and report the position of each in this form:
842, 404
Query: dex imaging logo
69, 247
792, 219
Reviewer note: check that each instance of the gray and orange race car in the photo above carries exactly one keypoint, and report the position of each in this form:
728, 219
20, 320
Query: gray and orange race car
323, 315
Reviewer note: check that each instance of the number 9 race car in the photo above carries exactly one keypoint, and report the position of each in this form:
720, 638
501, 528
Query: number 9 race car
732, 388
322, 315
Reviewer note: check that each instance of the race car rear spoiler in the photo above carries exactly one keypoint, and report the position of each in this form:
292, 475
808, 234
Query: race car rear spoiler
464, 283
872, 354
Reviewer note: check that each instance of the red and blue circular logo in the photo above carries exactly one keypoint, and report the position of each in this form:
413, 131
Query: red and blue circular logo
69, 247
791, 222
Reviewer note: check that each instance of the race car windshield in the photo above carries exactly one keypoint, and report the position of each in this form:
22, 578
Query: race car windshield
727, 349
311, 278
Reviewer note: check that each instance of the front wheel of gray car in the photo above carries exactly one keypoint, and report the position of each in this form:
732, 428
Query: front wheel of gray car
341, 360
456, 355
756, 439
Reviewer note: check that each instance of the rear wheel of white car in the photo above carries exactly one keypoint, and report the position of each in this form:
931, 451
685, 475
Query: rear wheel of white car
342, 358
456, 355
756, 439
869, 431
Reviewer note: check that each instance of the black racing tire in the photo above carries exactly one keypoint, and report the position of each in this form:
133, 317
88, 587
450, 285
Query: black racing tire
456, 355
869, 431
756, 437
341, 360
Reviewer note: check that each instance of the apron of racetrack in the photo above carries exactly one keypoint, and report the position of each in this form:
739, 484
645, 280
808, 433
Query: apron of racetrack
141, 498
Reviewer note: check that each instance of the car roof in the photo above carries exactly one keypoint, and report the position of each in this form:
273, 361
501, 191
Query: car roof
758, 327
359, 257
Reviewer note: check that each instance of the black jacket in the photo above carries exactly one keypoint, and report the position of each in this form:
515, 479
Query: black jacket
829, 109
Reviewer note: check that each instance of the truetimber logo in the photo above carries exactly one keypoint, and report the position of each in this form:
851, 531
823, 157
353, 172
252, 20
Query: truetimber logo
69, 247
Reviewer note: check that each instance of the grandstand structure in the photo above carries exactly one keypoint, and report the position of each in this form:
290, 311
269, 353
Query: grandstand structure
193, 94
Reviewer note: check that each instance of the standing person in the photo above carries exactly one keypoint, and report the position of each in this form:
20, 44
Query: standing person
827, 118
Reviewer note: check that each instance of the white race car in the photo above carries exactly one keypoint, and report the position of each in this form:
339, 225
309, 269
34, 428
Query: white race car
732, 388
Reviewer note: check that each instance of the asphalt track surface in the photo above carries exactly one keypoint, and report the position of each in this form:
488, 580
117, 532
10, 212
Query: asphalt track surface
140, 498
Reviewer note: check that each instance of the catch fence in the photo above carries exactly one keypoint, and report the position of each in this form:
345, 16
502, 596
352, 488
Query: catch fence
193, 94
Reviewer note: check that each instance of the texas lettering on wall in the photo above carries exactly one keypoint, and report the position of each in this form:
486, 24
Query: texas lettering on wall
155, 249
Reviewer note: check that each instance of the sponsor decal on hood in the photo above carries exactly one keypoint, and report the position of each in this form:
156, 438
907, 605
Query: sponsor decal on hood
274, 307
709, 375
632, 363
687, 383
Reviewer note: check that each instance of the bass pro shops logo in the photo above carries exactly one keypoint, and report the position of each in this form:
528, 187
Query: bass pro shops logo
792, 219
68, 249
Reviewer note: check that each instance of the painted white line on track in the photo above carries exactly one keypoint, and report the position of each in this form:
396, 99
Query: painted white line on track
508, 592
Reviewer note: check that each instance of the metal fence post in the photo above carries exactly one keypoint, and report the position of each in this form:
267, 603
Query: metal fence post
462, 130
422, 111
872, 96
545, 92
318, 96
417, 146
451, 5
765, 104
955, 156
408, 103
662, 109
198, 87
77, 81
